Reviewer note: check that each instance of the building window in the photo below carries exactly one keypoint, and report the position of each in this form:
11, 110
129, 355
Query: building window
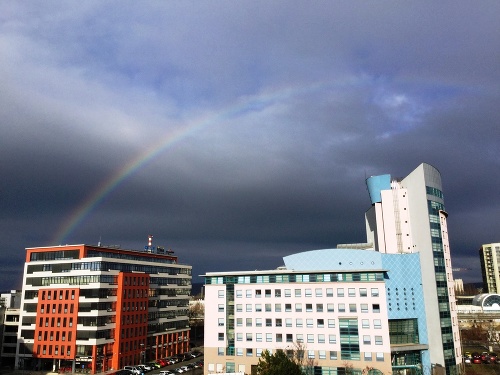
364, 307
321, 338
331, 323
363, 292
376, 308
319, 307
258, 293
320, 323
248, 293
367, 340
322, 354
221, 336
298, 307
258, 337
329, 292
239, 322
332, 339
333, 354
368, 356
277, 293
221, 294
288, 322
298, 323
288, 292
299, 338
268, 307
288, 307
279, 337
330, 307
352, 307
268, 293
310, 354
340, 292
341, 307
310, 338
378, 340
277, 307
239, 308
289, 337
258, 307
365, 323
239, 336
351, 292
258, 322
380, 357
239, 294
279, 322
309, 307
298, 293
269, 337
220, 351
248, 307
374, 292
249, 336
249, 352
377, 323
309, 323
318, 292
239, 352
308, 292
221, 321
248, 322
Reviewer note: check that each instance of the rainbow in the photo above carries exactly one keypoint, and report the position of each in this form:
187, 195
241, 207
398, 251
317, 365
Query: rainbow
242, 107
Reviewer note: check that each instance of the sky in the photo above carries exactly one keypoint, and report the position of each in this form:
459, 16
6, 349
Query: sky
240, 132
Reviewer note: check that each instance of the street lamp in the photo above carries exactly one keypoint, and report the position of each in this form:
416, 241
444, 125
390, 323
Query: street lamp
143, 353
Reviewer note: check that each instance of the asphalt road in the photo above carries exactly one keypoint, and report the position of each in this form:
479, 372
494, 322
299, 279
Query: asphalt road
195, 371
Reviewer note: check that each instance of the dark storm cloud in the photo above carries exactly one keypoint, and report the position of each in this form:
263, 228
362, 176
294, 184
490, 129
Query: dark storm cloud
286, 109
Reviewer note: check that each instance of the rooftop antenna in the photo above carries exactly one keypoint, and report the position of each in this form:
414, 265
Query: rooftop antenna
99, 243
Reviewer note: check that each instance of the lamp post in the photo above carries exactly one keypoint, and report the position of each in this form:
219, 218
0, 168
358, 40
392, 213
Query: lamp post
143, 353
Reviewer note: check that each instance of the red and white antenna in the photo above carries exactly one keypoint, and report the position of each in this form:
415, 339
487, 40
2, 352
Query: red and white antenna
150, 240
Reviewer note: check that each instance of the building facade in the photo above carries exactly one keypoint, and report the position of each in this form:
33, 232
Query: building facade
408, 216
9, 325
489, 255
385, 306
94, 308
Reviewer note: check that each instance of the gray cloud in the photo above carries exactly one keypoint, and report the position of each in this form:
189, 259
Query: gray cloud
262, 121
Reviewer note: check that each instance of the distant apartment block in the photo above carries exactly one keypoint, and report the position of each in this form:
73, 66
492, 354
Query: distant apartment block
386, 305
9, 325
94, 308
490, 257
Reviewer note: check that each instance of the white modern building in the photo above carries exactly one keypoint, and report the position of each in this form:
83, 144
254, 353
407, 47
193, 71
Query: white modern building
490, 267
387, 305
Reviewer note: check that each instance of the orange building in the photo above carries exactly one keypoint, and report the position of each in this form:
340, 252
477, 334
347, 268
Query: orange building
93, 308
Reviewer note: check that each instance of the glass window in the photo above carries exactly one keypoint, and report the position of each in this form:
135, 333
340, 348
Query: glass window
249, 307
378, 340
319, 292
258, 307
278, 322
310, 338
268, 307
333, 354
221, 336
352, 307
364, 307
221, 294
239, 322
268, 293
277, 307
322, 354
329, 292
239, 308
249, 322
258, 293
298, 307
380, 357
288, 292
332, 339
351, 292
239, 351
277, 293
309, 307
279, 337
374, 292
368, 356
298, 322
340, 292
221, 308
289, 337
258, 322
308, 292
220, 351
331, 323
249, 336
249, 352
377, 323
269, 337
298, 293
366, 340
341, 307
320, 323
329, 307
299, 337
239, 294
376, 308
309, 323
221, 321
321, 338
319, 307
288, 322
258, 337
365, 323
310, 354
363, 292
288, 307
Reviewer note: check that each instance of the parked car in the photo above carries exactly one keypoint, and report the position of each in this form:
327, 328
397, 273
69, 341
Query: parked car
476, 358
134, 369
166, 372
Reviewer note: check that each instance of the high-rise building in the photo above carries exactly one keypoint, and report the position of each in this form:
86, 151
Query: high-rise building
9, 325
490, 258
94, 308
408, 216
385, 306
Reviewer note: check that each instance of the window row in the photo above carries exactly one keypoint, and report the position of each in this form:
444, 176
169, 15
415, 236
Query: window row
58, 294
296, 278
59, 308
311, 354
301, 338
307, 292
299, 323
55, 335
54, 350
55, 322
307, 307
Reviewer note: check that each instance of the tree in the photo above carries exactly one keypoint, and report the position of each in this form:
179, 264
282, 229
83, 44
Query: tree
277, 364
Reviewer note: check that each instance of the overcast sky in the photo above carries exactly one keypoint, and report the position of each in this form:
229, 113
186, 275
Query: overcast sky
239, 132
